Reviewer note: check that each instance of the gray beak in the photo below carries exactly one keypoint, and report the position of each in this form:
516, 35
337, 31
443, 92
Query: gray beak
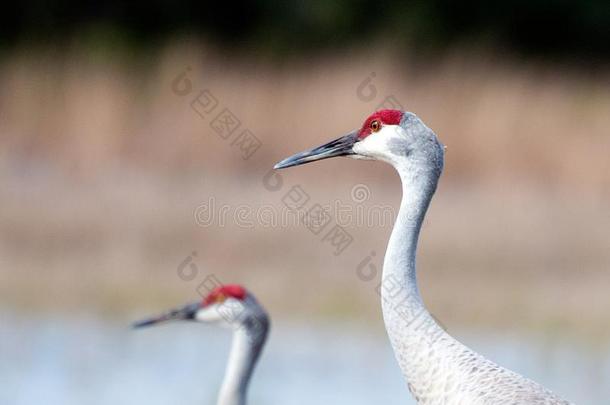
185, 313
339, 147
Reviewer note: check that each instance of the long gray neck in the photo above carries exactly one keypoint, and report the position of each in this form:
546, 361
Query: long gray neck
248, 342
410, 326
399, 262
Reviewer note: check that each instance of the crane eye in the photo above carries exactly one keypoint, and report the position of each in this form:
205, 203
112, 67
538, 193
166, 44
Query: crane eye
375, 125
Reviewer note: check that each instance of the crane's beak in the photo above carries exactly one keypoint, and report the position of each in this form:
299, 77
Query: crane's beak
184, 313
339, 147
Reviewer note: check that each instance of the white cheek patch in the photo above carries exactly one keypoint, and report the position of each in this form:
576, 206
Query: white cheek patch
208, 314
376, 144
229, 313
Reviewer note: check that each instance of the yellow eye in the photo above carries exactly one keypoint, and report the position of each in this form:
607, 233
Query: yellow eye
220, 298
375, 125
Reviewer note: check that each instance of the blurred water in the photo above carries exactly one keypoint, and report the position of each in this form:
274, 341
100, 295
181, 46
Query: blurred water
56, 360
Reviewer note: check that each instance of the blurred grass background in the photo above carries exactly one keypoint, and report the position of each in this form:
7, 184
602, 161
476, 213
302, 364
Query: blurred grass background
102, 164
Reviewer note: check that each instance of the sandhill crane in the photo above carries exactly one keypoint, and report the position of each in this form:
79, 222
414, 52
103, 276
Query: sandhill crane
234, 307
438, 369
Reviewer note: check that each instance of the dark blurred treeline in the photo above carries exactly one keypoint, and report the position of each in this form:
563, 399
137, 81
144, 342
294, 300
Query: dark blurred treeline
578, 30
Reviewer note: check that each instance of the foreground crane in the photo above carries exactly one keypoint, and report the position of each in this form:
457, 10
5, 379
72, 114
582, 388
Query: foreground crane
234, 307
438, 369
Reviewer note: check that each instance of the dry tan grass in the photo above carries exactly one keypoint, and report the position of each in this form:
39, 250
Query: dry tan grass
102, 167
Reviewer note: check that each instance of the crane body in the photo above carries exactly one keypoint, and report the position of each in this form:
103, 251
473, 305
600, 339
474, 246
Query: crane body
438, 369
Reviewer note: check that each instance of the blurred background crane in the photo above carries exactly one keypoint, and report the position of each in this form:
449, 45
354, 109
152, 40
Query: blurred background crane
230, 306
136, 142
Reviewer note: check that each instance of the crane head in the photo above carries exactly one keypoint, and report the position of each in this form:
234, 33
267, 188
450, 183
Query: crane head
227, 305
388, 135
